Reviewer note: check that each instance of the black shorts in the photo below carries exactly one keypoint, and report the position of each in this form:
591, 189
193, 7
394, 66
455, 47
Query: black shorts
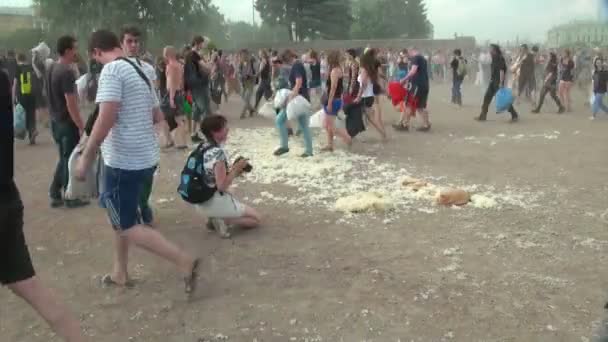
15, 262
368, 101
421, 96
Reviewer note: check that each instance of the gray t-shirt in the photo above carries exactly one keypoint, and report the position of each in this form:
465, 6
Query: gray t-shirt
61, 81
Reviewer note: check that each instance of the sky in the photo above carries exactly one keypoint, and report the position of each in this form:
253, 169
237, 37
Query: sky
495, 20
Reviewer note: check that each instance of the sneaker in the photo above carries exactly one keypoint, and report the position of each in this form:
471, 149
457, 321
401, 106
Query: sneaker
77, 203
514, 119
306, 155
281, 151
221, 227
57, 202
290, 132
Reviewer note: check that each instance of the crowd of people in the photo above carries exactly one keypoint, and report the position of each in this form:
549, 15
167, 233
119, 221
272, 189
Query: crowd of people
140, 106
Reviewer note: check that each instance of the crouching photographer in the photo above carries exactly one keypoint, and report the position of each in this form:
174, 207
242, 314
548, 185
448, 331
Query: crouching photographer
206, 179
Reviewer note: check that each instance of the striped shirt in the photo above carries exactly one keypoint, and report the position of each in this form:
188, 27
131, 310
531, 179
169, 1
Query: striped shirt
132, 143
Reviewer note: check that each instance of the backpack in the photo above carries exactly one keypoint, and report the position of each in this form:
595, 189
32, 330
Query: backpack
25, 80
192, 186
462, 67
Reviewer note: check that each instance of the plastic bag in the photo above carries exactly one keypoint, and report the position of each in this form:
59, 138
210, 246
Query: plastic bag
280, 99
77, 189
397, 92
504, 99
316, 120
297, 107
267, 110
19, 122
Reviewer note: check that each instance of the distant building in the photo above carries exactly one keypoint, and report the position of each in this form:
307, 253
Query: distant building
16, 18
579, 33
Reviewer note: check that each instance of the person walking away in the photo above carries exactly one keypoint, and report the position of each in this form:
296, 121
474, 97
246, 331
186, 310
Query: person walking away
419, 91
567, 79
125, 131
218, 82
335, 89
366, 95
315, 75
459, 71
66, 122
174, 93
16, 270
196, 80
550, 85
600, 80
498, 70
526, 81
10, 65
23, 93
265, 83
248, 76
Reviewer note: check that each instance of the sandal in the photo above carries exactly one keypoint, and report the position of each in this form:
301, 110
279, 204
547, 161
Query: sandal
107, 281
401, 127
191, 281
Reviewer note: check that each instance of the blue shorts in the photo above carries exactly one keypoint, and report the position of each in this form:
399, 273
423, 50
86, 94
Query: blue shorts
121, 195
336, 105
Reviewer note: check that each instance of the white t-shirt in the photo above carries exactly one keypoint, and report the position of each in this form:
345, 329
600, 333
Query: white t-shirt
369, 88
132, 143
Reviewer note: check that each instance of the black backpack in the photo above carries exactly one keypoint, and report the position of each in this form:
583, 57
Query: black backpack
192, 186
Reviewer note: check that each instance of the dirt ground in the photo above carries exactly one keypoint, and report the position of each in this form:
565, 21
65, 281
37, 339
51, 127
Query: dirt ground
526, 270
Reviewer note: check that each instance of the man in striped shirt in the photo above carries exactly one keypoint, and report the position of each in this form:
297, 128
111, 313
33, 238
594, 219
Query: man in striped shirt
129, 109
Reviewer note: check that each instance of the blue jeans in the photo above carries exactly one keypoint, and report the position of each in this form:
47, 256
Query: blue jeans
303, 122
598, 104
456, 91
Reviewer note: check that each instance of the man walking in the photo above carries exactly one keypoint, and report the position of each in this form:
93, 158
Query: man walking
459, 71
497, 81
24, 95
66, 123
196, 79
129, 109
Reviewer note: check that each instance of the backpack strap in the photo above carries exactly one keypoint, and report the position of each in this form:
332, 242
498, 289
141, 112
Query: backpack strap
138, 70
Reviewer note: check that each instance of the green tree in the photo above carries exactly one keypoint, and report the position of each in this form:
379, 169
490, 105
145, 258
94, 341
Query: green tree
308, 19
164, 22
385, 19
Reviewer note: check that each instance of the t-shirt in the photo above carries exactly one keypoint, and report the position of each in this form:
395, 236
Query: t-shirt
454, 65
298, 71
421, 78
551, 69
498, 64
61, 81
527, 66
131, 143
6, 137
147, 68
211, 157
600, 82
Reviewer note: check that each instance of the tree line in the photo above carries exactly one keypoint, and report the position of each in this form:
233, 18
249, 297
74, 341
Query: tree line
175, 21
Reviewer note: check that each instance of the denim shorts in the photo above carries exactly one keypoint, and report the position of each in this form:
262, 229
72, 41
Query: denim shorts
336, 105
121, 195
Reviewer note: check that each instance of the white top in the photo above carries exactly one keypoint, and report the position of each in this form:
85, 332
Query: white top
132, 143
369, 89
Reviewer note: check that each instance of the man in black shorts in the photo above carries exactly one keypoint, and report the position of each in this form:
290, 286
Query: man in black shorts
418, 93
16, 270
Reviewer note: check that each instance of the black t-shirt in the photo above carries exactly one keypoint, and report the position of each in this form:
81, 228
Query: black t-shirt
421, 78
600, 82
62, 81
551, 69
6, 137
498, 64
527, 66
454, 65
194, 77
298, 71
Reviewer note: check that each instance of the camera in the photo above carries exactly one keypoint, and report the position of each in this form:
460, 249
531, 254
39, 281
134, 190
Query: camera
247, 168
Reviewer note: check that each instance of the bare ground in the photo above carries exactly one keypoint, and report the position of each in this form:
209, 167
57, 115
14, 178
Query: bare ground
508, 274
